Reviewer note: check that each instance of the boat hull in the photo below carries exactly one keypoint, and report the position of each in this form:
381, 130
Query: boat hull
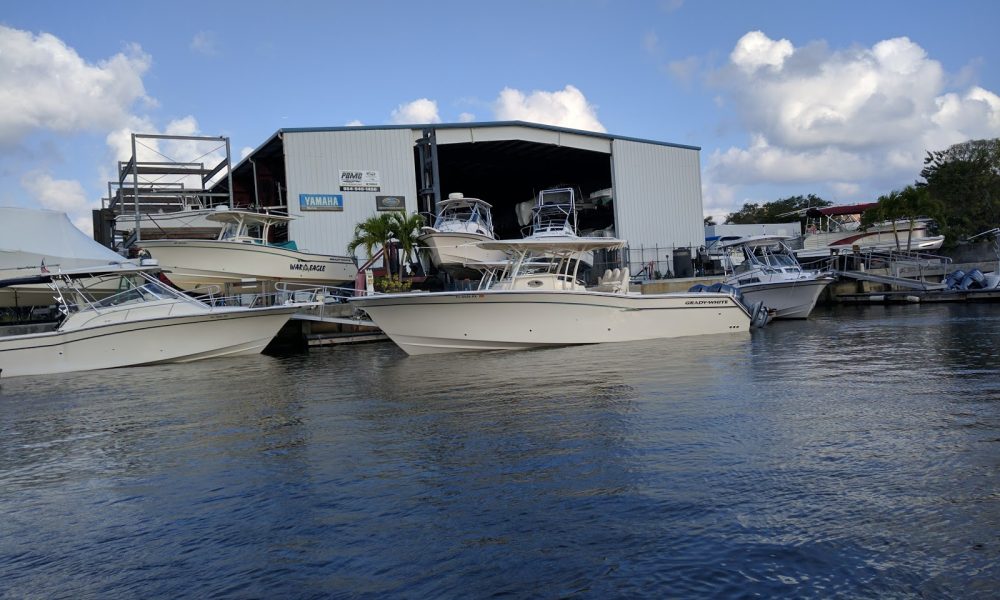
793, 299
224, 332
823, 244
432, 323
455, 252
193, 264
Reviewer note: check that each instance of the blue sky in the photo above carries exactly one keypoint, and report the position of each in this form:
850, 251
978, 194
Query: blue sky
840, 99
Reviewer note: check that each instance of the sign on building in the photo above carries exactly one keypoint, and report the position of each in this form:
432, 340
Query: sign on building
390, 203
360, 181
321, 201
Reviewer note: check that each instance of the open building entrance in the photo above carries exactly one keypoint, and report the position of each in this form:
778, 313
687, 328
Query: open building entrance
507, 173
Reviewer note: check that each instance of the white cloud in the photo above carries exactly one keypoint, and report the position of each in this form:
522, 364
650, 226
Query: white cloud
764, 163
353, 123
466, 117
717, 199
564, 108
64, 195
755, 50
46, 85
204, 42
245, 151
418, 111
844, 191
850, 120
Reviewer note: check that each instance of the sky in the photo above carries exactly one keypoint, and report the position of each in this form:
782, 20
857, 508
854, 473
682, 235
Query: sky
839, 99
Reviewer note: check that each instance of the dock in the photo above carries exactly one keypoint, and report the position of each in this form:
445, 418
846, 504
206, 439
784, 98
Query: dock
923, 297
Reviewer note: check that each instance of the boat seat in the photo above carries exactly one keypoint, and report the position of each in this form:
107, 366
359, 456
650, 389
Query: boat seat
613, 281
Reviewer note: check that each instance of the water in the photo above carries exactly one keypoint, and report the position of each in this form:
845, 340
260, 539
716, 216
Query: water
855, 454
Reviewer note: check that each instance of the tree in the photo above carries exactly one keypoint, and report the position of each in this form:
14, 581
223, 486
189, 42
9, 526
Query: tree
964, 181
709, 220
785, 210
380, 231
405, 229
908, 204
374, 232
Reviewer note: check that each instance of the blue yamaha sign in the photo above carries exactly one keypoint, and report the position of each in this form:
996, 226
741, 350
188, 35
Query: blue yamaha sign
321, 201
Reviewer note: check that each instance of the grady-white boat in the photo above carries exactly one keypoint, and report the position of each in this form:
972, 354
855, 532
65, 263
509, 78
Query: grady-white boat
241, 254
146, 322
461, 223
765, 270
834, 229
536, 300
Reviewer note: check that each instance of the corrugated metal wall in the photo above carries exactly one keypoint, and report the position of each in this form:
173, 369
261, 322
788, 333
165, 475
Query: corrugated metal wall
313, 161
657, 192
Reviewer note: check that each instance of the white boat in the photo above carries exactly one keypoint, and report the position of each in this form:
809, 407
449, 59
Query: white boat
190, 222
147, 322
765, 270
835, 229
241, 255
453, 240
554, 218
537, 300
35, 242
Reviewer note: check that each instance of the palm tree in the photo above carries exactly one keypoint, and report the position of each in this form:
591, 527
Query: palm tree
375, 231
406, 228
892, 208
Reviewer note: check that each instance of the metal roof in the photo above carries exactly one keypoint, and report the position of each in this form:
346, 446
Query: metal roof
606, 136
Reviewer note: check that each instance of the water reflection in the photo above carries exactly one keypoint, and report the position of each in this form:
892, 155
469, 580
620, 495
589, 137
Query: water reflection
850, 454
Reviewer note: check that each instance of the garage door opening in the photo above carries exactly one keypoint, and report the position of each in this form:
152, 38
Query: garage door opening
510, 172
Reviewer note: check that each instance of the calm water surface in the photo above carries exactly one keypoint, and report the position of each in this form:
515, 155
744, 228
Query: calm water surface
856, 454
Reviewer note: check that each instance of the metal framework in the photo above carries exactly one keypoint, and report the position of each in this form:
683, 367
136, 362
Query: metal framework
145, 187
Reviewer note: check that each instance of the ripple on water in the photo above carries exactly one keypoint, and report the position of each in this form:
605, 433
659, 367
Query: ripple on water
852, 454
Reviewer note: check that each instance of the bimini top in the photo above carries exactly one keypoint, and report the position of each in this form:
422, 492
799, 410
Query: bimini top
248, 217
765, 239
567, 244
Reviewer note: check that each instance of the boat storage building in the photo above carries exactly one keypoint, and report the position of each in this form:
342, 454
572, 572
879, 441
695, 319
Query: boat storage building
643, 191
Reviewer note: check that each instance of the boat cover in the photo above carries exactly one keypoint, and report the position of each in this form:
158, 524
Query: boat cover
28, 236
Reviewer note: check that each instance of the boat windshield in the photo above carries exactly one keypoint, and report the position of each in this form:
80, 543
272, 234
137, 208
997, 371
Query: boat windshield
240, 231
745, 257
776, 256
149, 291
460, 213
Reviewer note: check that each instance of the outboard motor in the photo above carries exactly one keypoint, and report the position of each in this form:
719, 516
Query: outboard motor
760, 315
954, 279
973, 280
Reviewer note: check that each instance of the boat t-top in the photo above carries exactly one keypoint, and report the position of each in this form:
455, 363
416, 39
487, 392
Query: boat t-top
765, 269
537, 299
554, 214
146, 322
242, 254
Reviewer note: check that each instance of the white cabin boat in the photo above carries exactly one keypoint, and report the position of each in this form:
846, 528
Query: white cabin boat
537, 300
765, 270
835, 229
241, 254
453, 240
146, 322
